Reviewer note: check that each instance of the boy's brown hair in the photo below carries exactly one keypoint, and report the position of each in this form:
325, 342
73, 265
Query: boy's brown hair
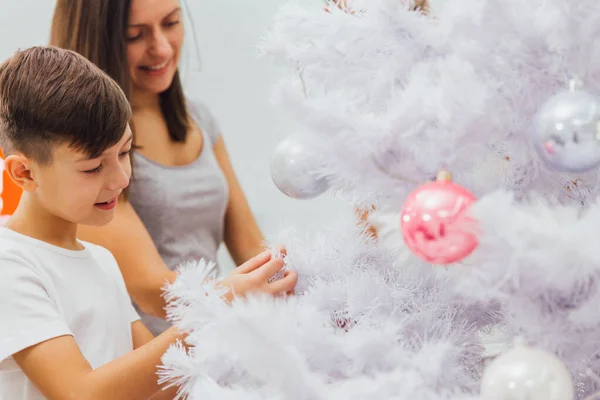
50, 96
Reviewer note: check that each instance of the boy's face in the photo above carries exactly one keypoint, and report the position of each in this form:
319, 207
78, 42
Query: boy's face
81, 190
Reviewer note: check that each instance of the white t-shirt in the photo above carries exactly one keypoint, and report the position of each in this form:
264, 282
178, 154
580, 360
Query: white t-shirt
46, 292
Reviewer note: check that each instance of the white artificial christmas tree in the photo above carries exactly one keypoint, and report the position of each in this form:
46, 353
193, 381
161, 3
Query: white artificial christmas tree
388, 97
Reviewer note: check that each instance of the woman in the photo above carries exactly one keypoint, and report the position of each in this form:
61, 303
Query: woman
184, 198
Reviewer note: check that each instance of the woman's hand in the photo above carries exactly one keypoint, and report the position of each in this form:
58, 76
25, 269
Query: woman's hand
255, 275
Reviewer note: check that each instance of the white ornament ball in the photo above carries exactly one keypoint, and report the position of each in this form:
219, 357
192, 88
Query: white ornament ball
526, 373
292, 170
567, 131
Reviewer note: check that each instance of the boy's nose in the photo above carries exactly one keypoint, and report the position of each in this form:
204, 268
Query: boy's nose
120, 179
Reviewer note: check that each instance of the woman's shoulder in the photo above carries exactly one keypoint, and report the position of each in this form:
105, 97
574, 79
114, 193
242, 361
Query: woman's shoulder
204, 117
197, 107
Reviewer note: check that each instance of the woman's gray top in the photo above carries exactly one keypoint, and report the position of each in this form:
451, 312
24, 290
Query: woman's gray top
182, 207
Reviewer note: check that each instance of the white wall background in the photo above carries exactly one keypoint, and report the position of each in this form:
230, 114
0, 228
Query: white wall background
231, 79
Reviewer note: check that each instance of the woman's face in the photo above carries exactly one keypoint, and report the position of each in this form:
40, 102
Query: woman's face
154, 40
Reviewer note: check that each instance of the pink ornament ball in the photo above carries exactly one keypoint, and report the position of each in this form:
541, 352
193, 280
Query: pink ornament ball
434, 224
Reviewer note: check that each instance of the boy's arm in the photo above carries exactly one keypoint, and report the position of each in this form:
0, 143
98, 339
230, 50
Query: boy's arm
142, 335
35, 334
168, 394
60, 371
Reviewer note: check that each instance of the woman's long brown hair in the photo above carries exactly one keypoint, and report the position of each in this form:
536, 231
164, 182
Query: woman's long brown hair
97, 30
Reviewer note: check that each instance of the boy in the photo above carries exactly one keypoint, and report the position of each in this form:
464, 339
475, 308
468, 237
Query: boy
68, 329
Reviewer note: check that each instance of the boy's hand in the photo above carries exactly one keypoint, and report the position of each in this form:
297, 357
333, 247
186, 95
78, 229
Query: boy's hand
254, 276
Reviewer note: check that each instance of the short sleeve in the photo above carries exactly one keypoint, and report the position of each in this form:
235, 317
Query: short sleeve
28, 315
205, 120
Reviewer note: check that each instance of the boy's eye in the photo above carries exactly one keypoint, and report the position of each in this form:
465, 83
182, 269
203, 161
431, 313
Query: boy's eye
95, 170
125, 153
172, 23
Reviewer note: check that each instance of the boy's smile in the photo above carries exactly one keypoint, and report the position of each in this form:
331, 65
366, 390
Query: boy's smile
107, 205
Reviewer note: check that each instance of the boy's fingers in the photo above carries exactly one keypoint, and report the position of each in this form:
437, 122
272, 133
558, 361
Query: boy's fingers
254, 263
285, 284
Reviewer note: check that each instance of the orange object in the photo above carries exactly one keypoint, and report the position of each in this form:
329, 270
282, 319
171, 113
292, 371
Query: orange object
11, 193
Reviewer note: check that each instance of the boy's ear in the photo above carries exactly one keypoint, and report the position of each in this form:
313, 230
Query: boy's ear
18, 168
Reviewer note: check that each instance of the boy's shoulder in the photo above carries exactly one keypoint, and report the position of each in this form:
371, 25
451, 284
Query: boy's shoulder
25, 258
26, 250
99, 252
13, 249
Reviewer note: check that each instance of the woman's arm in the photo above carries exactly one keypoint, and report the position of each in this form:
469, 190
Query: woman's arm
145, 273
243, 237
142, 267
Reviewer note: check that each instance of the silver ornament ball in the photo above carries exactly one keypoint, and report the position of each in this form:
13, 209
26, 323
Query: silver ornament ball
292, 170
525, 372
567, 131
